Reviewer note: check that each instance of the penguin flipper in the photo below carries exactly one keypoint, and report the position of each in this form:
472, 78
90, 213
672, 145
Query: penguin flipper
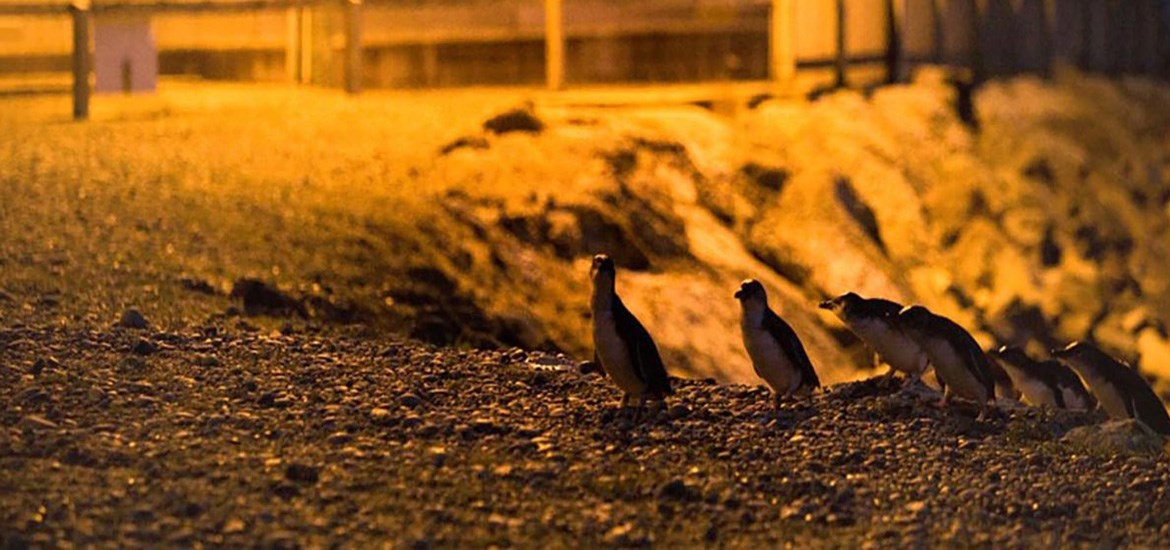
790, 342
1152, 413
642, 351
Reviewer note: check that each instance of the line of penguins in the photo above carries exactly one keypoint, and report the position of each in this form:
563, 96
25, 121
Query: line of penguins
909, 339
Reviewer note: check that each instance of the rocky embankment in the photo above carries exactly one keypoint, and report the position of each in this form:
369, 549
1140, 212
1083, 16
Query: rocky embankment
225, 434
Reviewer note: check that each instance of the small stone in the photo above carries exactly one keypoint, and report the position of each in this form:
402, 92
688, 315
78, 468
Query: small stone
234, 525
44, 363
132, 318
679, 411
438, 455
132, 363
379, 414
339, 438
410, 400
207, 361
302, 473
588, 367
143, 347
34, 422
677, 489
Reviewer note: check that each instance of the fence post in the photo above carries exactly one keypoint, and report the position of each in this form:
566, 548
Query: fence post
975, 43
81, 13
292, 47
893, 41
353, 46
938, 41
842, 64
781, 45
554, 45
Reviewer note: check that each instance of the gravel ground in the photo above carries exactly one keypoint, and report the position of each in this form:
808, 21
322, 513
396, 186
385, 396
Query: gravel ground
231, 435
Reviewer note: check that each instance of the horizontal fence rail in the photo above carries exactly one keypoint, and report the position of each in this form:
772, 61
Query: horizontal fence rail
983, 37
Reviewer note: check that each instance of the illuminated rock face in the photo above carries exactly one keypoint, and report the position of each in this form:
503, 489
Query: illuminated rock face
1047, 225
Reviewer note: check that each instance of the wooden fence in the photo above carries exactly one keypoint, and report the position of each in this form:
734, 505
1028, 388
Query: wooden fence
987, 37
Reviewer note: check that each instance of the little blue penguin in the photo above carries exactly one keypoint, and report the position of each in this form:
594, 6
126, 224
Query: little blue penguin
956, 356
1044, 383
621, 345
873, 321
776, 352
1123, 392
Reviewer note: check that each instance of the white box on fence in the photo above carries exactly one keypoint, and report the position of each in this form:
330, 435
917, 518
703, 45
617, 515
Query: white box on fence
125, 58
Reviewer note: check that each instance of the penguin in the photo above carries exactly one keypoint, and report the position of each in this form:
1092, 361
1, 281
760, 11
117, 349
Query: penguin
956, 356
1122, 392
776, 352
872, 320
1044, 383
621, 345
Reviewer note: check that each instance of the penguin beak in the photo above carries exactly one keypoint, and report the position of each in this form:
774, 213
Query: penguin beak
739, 294
827, 304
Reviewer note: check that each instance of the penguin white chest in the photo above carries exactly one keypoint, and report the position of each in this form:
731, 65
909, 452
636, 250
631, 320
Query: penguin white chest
614, 355
769, 360
1036, 392
951, 367
894, 347
1112, 400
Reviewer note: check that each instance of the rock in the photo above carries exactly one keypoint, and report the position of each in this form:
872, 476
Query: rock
302, 473
339, 438
143, 347
34, 422
1116, 437
465, 142
409, 400
132, 318
132, 363
678, 490
197, 285
516, 120
588, 367
207, 361
44, 363
379, 415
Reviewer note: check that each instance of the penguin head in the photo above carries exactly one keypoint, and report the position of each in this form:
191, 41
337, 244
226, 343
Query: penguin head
1071, 351
602, 265
1011, 355
750, 290
842, 305
1082, 357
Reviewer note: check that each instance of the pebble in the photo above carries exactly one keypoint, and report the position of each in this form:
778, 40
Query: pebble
302, 473
204, 360
132, 318
34, 422
143, 347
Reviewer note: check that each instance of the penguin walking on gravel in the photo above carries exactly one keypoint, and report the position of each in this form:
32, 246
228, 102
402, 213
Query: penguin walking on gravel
776, 352
621, 345
873, 320
956, 356
1044, 383
1122, 392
